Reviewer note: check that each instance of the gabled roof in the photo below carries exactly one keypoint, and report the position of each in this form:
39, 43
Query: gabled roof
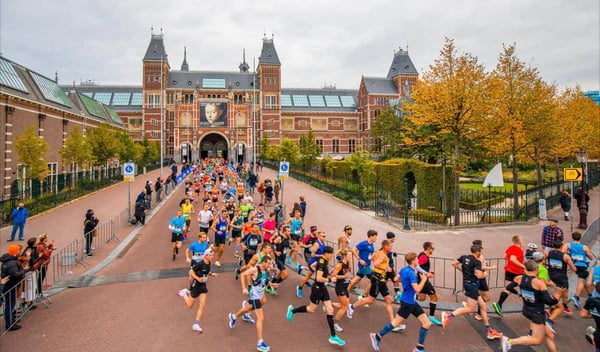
377, 85
401, 65
212, 80
318, 99
156, 49
268, 55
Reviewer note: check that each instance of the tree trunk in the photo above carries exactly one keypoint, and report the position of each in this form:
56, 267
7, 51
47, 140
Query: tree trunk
515, 180
456, 182
538, 169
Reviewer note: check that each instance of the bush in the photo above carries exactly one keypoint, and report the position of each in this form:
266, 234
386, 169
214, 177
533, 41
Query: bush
430, 216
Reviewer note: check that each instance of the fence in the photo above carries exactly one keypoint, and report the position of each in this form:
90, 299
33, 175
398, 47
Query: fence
416, 210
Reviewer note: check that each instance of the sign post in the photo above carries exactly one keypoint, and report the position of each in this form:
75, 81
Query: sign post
284, 172
129, 176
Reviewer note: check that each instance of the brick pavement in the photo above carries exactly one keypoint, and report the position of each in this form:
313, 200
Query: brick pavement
147, 315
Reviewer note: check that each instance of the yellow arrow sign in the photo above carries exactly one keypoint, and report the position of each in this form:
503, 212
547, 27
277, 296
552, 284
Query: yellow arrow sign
573, 174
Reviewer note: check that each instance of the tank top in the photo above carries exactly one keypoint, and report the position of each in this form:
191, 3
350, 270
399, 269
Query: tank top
296, 227
384, 264
320, 250
221, 226
259, 283
578, 254
556, 264
532, 298
427, 264
186, 209
343, 271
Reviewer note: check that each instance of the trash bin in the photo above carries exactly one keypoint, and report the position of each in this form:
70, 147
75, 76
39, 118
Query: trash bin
68, 259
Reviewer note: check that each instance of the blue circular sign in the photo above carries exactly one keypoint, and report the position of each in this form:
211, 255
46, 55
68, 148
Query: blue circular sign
283, 167
129, 169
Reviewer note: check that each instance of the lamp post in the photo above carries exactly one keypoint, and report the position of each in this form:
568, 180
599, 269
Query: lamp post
582, 158
162, 120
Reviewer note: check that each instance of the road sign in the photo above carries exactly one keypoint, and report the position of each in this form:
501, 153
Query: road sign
128, 178
284, 170
129, 169
573, 174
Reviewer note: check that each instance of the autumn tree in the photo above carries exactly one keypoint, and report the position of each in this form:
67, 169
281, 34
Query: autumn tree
31, 151
263, 147
523, 108
103, 143
125, 147
76, 150
308, 150
388, 128
289, 151
451, 100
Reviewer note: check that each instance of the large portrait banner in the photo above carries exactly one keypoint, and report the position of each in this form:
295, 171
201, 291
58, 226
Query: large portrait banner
213, 114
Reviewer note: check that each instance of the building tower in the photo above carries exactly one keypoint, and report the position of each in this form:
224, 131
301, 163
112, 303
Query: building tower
269, 83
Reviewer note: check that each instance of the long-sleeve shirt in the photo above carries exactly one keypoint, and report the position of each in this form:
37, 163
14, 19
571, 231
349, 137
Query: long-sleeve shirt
551, 234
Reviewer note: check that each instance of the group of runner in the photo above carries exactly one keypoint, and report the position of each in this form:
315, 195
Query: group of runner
263, 249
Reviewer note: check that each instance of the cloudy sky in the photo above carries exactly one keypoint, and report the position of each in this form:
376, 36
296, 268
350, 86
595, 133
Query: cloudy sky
318, 41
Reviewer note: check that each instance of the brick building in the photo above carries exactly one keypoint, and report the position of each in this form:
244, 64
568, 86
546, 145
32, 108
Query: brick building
28, 98
212, 113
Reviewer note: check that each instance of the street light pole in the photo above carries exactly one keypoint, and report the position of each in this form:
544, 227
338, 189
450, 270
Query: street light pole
162, 120
582, 157
254, 119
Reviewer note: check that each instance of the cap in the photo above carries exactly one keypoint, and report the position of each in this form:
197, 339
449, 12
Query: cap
14, 249
532, 245
553, 219
537, 256
208, 251
347, 227
390, 234
313, 228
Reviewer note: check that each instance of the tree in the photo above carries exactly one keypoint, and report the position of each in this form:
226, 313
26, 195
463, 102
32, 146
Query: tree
362, 167
263, 147
388, 128
31, 151
578, 120
450, 99
289, 151
103, 143
76, 150
309, 150
522, 110
125, 146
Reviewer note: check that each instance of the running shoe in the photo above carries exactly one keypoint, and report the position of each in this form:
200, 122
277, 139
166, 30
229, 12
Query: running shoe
397, 297
416, 349
248, 319
288, 260
335, 340
493, 334
505, 344
197, 328
568, 311
218, 264
290, 313
232, 320
338, 328
551, 325
478, 317
350, 311
374, 341
434, 321
262, 346
299, 291
576, 302
299, 268
237, 273
399, 328
173, 257
236, 254
183, 292
497, 309
589, 334
445, 319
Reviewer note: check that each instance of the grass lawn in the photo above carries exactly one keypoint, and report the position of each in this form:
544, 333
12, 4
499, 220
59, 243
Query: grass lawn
478, 186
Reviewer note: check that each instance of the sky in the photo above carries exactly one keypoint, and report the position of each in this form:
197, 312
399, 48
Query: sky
319, 42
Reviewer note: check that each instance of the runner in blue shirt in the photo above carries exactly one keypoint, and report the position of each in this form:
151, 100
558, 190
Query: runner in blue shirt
363, 252
195, 252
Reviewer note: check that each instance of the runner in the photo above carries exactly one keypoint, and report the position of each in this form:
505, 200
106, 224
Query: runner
195, 252
204, 217
471, 269
200, 274
362, 252
408, 305
320, 294
187, 209
341, 277
281, 245
580, 254
514, 267
344, 239
484, 289
254, 281
424, 269
381, 266
591, 309
557, 268
176, 225
315, 251
297, 229
250, 242
220, 227
535, 295
391, 275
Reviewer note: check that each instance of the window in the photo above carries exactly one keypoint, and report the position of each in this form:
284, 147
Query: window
154, 122
171, 115
286, 100
335, 144
153, 101
382, 101
319, 143
154, 134
188, 98
352, 146
270, 102
170, 98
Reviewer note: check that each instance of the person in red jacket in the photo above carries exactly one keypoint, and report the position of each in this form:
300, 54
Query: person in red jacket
514, 267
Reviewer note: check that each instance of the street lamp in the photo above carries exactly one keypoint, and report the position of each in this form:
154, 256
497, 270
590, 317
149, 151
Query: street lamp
582, 158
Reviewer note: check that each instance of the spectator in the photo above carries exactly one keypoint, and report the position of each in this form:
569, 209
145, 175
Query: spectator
140, 213
89, 225
578, 197
158, 189
303, 206
277, 189
551, 233
148, 194
19, 215
43, 252
167, 183
12, 269
30, 284
565, 203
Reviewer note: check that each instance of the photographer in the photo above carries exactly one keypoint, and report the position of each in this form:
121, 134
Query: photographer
11, 268
89, 225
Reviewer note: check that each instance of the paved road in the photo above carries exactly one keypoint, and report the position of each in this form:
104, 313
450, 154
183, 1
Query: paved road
130, 303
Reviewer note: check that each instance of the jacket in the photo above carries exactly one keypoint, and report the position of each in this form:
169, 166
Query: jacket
11, 268
565, 201
89, 223
20, 215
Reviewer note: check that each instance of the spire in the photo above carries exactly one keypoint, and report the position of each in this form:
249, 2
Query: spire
56, 77
268, 54
401, 64
184, 65
156, 49
244, 67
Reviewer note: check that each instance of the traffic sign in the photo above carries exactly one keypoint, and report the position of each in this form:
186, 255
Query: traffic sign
284, 170
128, 178
573, 174
129, 169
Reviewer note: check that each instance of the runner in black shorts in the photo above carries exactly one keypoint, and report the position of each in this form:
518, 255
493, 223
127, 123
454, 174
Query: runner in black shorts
558, 261
408, 305
424, 269
591, 309
341, 276
535, 296
320, 294
281, 245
